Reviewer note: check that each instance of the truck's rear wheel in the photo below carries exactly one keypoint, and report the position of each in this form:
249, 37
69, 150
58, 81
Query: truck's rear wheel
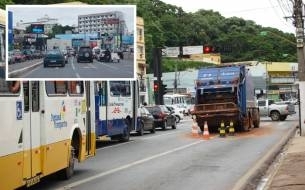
275, 116
256, 121
283, 117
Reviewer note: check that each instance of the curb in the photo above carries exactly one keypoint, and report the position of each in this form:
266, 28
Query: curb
16, 73
249, 179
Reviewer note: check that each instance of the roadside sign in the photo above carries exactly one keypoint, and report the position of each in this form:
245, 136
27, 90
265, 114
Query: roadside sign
170, 52
189, 50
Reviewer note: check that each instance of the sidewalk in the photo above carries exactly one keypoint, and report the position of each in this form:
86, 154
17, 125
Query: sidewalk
290, 174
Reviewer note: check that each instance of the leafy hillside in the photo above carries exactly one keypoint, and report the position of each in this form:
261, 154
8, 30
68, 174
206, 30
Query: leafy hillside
236, 39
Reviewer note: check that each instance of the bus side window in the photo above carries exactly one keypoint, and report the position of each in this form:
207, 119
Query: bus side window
60, 87
56, 88
26, 96
75, 87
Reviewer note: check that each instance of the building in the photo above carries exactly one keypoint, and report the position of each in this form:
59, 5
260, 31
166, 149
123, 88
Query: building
141, 61
111, 23
281, 80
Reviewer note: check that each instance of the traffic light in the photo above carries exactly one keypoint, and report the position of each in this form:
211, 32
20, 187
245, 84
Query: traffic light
208, 49
164, 89
156, 85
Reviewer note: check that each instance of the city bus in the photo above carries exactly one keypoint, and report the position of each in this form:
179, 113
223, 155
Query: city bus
45, 127
116, 107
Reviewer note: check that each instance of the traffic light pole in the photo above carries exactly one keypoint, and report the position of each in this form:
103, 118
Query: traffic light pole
158, 94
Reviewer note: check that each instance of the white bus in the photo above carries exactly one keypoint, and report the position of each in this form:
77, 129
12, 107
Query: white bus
116, 106
183, 102
45, 126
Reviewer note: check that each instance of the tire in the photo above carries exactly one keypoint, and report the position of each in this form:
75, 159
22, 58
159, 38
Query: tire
164, 125
67, 172
256, 122
126, 134
283, 117
153, 130
275, 116
125, 137
177, 119
174, 126
141, 130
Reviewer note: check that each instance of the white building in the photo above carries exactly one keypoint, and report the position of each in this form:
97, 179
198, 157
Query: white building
112, 23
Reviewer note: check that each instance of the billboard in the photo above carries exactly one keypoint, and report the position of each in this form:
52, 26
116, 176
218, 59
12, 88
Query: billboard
37, 28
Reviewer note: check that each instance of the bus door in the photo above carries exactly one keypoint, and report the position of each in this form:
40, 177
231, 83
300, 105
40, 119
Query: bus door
33, 116
89, 144
101, 113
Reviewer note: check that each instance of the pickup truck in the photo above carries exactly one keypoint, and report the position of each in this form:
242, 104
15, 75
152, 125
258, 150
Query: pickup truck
277, 111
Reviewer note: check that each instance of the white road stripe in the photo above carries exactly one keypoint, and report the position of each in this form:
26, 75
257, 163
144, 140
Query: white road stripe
80, 182
111, 146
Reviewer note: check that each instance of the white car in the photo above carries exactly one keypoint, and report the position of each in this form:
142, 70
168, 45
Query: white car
115, 57
178, 112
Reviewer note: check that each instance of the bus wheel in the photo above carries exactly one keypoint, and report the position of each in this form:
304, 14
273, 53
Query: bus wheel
67, 172
141, 129
125, 136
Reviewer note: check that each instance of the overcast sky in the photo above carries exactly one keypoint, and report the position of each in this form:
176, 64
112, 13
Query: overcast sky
68, 14
264, 12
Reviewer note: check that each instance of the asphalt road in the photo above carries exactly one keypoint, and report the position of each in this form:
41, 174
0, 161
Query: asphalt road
123, 69
174, 159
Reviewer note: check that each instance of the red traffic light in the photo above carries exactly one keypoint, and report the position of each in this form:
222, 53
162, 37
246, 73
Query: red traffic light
155, 85
208, 49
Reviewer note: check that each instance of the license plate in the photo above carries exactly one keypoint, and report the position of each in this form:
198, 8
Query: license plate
53, 61
32, 181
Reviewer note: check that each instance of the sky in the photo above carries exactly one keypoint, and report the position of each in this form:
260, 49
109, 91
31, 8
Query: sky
68, 14
268, 13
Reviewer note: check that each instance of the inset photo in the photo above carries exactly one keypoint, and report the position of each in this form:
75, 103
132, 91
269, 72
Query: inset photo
2, 43
70, 42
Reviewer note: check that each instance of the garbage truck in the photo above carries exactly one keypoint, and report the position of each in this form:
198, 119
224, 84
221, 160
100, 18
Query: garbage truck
225, 96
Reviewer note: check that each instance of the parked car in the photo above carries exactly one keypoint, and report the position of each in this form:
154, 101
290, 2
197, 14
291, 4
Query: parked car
85, 54
178, 112
277, 111
28, 54
163, 117
37, 54
54, 57
145, 121
11, 57
18, 56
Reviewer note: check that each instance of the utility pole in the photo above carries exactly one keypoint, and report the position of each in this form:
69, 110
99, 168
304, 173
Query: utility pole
299, 24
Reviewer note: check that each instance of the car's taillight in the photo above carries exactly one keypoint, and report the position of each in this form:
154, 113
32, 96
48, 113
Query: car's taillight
162, 115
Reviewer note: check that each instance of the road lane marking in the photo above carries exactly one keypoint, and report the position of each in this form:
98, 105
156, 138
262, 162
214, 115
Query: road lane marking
164, 134
111, 146
109, 66
30, 72
102, 174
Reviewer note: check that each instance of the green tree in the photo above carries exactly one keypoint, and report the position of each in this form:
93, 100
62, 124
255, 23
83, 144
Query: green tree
3, 3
